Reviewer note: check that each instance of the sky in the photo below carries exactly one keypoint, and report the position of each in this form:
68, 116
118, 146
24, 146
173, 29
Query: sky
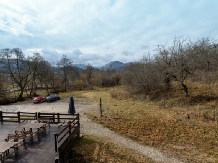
97, 32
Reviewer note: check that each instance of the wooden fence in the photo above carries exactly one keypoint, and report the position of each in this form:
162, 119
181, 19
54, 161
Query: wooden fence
56, 117
64, 138
53, 118
17, 116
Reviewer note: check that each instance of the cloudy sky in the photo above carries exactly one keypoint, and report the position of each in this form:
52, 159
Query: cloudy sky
100, 31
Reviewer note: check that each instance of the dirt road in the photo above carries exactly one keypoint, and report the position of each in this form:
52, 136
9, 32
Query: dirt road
88, 127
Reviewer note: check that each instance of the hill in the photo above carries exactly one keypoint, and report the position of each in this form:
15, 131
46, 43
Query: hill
115, 65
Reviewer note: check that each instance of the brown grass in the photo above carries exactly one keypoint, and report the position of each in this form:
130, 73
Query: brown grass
120, 95
176, 125
91, 149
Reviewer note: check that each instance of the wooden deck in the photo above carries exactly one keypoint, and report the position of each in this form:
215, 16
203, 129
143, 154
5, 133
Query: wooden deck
42, 151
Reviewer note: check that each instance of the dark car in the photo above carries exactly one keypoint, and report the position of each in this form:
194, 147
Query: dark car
38, 99
52, 98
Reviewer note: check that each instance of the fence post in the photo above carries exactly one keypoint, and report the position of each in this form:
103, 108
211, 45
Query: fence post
56, 143
100, 107
18, 116
1, 117
69, 127
58, 116
78, 133
53, 117
38, 116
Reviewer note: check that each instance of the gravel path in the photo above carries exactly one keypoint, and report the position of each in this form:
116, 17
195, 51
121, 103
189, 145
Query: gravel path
89, 127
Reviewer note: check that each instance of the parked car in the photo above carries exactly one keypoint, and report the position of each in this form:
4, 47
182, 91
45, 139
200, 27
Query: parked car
39, 99
52, 98
56, 97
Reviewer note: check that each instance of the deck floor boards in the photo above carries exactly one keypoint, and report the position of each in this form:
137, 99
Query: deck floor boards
42, 151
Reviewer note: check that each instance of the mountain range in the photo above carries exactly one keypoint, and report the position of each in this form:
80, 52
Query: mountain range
114, 65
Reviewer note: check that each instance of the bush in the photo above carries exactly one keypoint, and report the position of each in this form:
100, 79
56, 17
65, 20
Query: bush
7, 101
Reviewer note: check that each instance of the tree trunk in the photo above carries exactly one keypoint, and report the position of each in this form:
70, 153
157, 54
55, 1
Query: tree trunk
20, 97
47, 89
65, 83
185, 89
31, 89
13, 89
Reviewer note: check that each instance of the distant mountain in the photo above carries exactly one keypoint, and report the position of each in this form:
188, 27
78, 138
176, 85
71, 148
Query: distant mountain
82, 66
115, 65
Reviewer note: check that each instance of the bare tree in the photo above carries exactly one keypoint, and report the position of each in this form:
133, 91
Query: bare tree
46, 75
175, 62
2, 93
204, 56
65, 64
72, 76
36, 64
89, 72
186, 58
18, 67
142, 77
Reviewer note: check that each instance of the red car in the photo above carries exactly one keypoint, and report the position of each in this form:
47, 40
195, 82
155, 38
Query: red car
39, 99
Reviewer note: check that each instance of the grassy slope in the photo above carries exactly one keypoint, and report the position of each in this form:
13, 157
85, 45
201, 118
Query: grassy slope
180, 126
91, 149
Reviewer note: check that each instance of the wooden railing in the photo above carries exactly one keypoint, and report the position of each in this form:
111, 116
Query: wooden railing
40, 117
17, 116
56, 117
66, 135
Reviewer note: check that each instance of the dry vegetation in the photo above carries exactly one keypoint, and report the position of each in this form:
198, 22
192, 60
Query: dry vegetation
91, 149
183, 127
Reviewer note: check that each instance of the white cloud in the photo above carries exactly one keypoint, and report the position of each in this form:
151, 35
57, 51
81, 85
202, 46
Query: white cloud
101, 31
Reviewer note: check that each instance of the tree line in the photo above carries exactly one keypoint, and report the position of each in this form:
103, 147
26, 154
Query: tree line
182, 60
20, 74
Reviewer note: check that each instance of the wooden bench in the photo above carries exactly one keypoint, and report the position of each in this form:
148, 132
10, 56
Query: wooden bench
19, 138
34, 129
31, 134
4, 150
46, 119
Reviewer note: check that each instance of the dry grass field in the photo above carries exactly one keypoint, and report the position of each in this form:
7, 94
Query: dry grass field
91, 149
177, 125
